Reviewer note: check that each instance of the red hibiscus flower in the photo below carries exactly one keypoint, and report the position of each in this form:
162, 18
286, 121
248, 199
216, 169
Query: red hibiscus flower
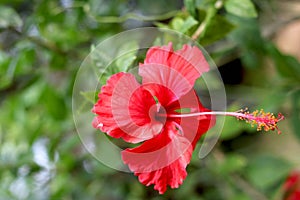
164, 113
139, 113
292, 187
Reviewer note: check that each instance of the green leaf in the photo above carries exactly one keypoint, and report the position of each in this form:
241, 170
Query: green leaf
217, 29
204, 4
126, 55
177, 23
57, 61
232, 163
54, 103
295, 117
232, 126
161, 25
183, 25
190, 7
242, 8
9, 18
4, 61
62, 36
25, 60
5, 72
5, 82
247, 36
240, 196
231, 129
265, 171
287, 66
188, 23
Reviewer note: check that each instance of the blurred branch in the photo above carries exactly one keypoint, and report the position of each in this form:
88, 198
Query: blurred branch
199, 30
210, 14
50, 45
59, 10
135, 16
18, 83
119, 19
42, 43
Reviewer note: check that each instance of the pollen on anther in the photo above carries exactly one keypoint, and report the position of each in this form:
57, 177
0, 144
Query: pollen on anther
263, 120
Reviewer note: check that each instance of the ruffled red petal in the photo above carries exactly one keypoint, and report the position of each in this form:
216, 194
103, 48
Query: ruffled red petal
190, 62
167, 77
163, 94
159, 55
128, 110
125, 110
162, 160
176, 70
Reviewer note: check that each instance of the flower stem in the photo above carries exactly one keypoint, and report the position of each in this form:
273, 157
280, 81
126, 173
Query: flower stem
211, 12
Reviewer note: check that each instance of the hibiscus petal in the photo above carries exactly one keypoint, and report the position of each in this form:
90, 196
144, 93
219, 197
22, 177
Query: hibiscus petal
175, 70
190, 62
125, 110
163, 94
159, 55
157, 74
162, 160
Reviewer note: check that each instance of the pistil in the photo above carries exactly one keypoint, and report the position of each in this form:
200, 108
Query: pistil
263, 120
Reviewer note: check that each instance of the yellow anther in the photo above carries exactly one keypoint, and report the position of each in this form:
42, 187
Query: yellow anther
266, 121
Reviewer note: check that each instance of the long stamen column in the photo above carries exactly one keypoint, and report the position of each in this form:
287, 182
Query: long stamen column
261, 119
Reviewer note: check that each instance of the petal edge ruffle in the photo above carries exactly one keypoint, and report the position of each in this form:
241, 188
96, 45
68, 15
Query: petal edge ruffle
163, 164
176, 70
123, 110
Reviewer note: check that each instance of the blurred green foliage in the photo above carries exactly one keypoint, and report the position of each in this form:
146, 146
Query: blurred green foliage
42, 44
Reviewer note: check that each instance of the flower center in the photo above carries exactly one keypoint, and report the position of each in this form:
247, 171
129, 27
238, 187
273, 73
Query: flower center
158, 113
